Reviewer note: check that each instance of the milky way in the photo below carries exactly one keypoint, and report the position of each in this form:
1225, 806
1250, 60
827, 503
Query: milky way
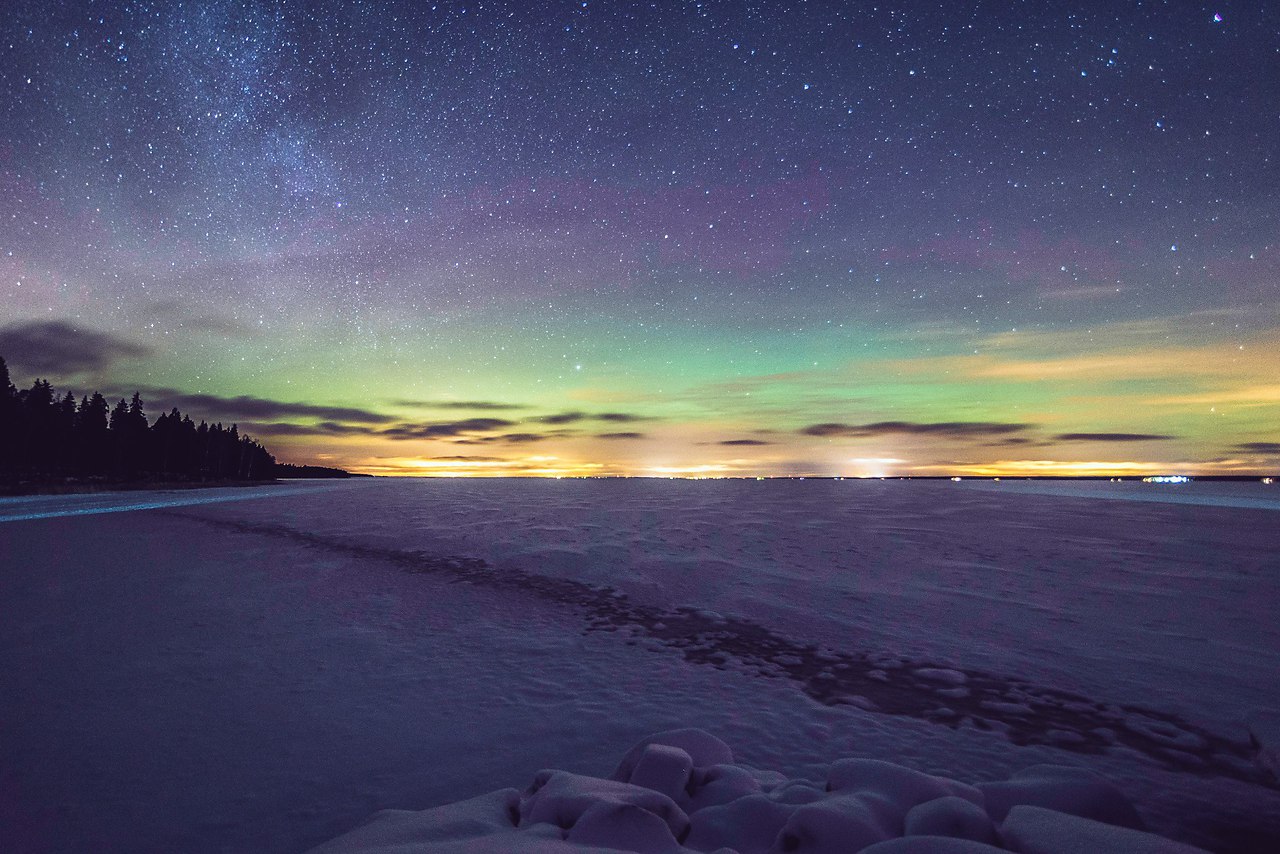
657, 238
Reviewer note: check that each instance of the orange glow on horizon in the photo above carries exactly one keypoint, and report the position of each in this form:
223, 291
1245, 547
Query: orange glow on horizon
551, 467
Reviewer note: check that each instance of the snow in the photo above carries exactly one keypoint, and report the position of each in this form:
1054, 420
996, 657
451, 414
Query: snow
267, 672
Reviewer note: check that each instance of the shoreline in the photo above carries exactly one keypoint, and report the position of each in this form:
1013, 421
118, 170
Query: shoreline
21, 489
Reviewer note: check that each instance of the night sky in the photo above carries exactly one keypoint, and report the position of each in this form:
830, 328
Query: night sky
669, 238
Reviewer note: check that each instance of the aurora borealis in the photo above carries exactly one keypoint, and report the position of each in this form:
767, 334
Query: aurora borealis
667, 238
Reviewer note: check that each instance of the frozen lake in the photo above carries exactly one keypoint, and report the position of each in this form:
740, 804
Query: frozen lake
233, 670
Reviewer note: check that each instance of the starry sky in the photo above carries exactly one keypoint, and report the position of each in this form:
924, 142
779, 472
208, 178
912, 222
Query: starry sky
657, 238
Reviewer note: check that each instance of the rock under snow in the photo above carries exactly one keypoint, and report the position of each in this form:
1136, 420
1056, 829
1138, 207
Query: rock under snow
950, 816
748, 825
561, 798
703, 748
930, 845
903, 786
719, 784
623, 826
832, 826
1036, 830
678, 793
664, 769
1063, 788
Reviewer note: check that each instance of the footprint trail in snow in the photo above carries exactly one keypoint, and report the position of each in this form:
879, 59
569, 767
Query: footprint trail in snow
1021, 711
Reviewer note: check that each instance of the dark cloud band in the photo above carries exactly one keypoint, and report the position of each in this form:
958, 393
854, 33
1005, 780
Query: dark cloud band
58, 348
946, 429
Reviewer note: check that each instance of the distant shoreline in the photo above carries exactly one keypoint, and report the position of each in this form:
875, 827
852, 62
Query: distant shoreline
12, 489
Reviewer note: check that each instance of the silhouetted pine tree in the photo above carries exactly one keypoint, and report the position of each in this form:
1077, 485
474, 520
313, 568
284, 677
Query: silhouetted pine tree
65, 439
40, 411
95, 440
118, 427
10, 425
42, 435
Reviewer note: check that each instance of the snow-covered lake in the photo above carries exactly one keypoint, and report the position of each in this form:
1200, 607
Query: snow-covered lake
261, 670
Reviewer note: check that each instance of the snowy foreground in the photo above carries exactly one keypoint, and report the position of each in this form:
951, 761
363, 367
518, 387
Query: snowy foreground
266, 670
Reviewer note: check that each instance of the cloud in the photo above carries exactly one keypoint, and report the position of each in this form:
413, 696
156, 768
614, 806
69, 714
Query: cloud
621, 436
574, 417
440, 430
474, 405
520, 438
174, 315
467, 458
946, 429
324, 428
563, 418
56, 347
1111, 437
504, 439
257, 408
744, 442
1257, 448
268, 428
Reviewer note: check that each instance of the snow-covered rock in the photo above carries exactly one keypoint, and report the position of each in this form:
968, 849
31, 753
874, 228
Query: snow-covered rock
930, 845
664, 769
904, 786
748, 825
1036, 830
950, 816
719, 784
623, 826
833, 826
703, 748
1063, 788
670, 795
473, 821
561, 798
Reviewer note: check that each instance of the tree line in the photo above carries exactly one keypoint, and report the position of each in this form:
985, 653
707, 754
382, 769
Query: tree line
44, 435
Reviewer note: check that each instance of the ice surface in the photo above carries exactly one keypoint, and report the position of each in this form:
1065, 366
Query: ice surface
265, 674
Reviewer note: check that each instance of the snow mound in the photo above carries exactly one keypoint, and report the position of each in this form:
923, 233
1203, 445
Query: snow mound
680, 791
